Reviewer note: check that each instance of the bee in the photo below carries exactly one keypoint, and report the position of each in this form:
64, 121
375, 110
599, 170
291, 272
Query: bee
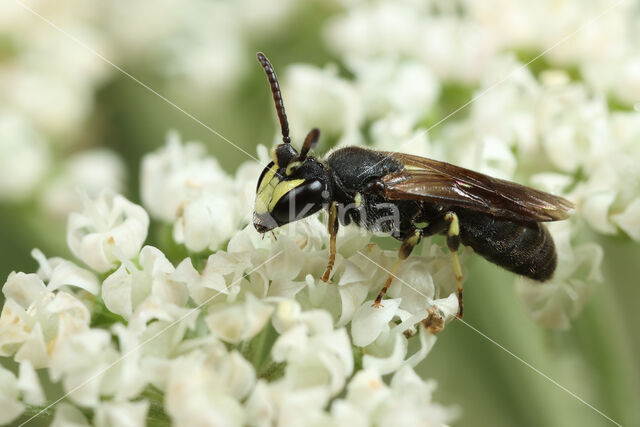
408, 197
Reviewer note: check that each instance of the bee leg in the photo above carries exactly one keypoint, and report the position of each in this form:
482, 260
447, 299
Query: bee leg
404, 252
453, 242
333, 232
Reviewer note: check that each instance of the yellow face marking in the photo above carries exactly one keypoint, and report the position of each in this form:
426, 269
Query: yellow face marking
281, 189
267, 178
271, 189
273, 156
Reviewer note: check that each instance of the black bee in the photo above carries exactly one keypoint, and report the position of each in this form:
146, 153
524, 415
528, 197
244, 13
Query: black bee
409, 197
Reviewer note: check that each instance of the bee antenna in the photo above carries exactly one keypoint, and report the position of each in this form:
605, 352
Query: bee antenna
309, 142
277, 96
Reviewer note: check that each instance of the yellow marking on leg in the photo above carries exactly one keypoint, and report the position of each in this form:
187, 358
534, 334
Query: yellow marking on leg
332, 226
453, 241
454, 224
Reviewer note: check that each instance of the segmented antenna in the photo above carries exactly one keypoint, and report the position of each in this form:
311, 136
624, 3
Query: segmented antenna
277, 96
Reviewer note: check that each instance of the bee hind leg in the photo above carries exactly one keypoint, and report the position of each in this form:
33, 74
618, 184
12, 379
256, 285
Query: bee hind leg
404, 252
453, 243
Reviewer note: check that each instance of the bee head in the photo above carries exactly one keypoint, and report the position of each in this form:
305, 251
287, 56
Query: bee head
291, 187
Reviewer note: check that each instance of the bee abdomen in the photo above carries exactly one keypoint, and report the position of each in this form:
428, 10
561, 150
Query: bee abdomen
524, 248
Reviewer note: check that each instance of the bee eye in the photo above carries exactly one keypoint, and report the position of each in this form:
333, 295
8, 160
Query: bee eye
292, 167
299, 202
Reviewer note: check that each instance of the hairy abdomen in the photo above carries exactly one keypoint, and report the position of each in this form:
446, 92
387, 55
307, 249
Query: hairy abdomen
524, 248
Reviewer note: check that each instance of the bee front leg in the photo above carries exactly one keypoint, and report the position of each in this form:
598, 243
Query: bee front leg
333, 232
453, 243
404, 252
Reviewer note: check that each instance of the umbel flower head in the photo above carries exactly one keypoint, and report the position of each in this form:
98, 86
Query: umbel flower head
211, 324
245, 335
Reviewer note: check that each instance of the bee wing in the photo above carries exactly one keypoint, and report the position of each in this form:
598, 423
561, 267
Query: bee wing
446, 184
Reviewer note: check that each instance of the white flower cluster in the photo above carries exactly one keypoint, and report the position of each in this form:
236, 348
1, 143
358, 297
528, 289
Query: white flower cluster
50, 77
45, 105
183, 186
243, 332
251, 337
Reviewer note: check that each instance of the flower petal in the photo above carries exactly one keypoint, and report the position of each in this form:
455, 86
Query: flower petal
368, 321
23, 288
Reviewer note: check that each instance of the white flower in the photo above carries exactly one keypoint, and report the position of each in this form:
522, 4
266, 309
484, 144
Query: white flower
207, 387
125, 414
410, 403
408, 88
260, 406
336, 108
574, 126
29, 385
183, 186
109, 230
55, 105
279, 403
33, 333
24, 157
155, 315
129, 285
126, 380
316, 353
366, 30
391, 29
204, 223
23, 288
59, 272
368, 322
79, 362
240, 321
10, 405
175, 174
629, 220
503, 112
407, 402
555, 302
220, 276
396, 132
89, 366
385, 345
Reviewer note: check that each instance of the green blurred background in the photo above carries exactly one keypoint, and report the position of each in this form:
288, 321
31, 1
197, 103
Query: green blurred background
597, 359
